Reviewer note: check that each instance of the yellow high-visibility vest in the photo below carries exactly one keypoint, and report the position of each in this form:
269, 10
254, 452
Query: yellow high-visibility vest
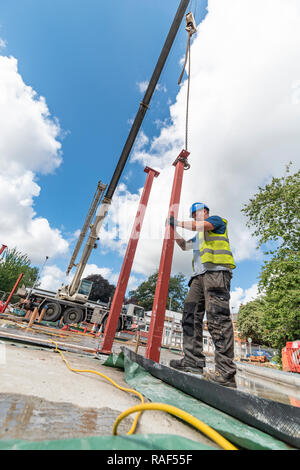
214, 248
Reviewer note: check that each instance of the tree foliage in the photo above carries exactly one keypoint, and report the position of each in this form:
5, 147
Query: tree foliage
274, 214
250, 321
177, 292
12, 265
102, 290
280, 281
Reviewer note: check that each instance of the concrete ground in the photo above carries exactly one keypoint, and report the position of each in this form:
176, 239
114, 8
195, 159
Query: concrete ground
40, 398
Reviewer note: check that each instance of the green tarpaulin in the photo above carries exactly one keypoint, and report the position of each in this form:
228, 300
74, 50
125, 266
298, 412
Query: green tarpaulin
240, 434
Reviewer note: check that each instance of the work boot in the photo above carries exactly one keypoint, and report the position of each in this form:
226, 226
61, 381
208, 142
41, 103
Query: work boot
184, 367
219, 379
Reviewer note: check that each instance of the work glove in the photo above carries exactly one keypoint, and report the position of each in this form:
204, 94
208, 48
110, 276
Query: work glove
171, 221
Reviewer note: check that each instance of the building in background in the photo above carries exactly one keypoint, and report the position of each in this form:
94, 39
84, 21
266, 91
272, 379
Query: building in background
172, 332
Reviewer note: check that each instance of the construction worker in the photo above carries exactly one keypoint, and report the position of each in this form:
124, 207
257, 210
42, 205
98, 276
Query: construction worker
209, 292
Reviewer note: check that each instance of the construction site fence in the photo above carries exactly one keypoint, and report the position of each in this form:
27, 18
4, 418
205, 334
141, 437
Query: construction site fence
290, 355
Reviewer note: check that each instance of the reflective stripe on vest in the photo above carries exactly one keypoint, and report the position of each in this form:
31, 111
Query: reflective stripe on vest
214, 248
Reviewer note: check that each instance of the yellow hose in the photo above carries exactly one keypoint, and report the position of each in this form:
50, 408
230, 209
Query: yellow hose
204, 428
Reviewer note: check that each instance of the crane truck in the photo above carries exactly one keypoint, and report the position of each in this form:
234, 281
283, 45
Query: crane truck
132, 316
76, 307
71, 302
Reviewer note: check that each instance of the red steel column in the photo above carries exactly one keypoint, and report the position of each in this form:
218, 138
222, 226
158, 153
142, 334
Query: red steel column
2, 310
116, 306
162, 286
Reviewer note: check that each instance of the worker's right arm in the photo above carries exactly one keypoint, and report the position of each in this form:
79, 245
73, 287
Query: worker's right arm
184, 244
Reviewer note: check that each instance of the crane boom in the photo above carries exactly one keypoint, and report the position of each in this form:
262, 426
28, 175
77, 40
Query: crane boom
92, 210
71, 291
144, 105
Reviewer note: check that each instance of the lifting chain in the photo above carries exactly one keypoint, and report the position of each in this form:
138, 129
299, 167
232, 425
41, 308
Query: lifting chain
191, 29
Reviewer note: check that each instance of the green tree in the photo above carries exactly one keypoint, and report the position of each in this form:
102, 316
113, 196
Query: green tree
13, 264
177, 292
274, 214
101, 290
280, 280
250, 321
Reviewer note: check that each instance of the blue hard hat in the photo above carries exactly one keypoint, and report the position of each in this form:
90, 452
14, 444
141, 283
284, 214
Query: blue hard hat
197, 206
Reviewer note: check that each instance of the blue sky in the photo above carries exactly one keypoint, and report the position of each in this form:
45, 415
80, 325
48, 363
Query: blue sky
87, 60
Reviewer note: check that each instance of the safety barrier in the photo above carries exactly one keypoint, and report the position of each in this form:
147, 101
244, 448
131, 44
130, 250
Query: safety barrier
291, 357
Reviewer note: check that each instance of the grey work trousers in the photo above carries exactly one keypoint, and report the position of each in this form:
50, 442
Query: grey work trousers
210, 293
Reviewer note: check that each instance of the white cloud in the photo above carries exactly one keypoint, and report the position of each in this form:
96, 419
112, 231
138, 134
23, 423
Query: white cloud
242, 296
243, 125
162, 88
28, 134
52, 277
77, 233
107, 273
3, 43
28, 145
142, 86
141, 141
